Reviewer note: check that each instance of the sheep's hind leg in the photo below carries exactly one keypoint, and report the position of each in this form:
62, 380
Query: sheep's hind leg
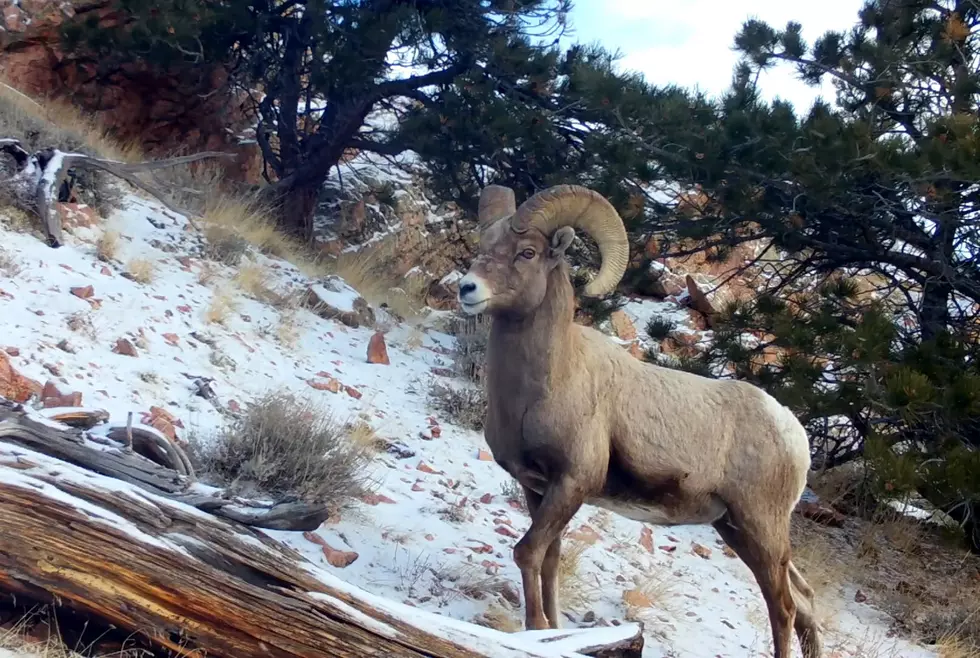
549, 567
557, 507
765, 550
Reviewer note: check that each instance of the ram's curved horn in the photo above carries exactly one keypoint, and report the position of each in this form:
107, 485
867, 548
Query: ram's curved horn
496, 202
585, 210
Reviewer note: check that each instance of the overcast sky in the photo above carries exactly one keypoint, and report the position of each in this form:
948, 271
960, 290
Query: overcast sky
689, 42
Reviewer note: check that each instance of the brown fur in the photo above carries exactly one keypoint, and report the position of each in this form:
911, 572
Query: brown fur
576, 419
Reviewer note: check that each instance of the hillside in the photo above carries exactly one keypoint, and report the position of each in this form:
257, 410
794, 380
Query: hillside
153, 323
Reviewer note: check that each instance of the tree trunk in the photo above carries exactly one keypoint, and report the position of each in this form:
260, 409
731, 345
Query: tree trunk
189, 581
296, 203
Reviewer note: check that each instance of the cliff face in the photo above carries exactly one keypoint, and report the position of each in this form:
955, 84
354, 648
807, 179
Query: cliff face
195, 111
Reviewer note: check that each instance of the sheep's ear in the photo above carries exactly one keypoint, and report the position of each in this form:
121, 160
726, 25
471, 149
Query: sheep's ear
561, 240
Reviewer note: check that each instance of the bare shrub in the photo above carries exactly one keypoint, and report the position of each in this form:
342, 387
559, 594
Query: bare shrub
463, 406
141, 270
472, 334
9, 266
285, 446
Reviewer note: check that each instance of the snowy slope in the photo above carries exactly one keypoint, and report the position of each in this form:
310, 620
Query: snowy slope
439, 536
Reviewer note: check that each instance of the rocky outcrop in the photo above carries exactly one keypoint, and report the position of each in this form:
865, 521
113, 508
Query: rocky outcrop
187, 108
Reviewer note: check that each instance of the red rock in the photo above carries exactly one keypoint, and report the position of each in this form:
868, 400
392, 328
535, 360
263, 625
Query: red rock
335, 558
646, 539
484, 455
430, 537
184, 308
377, 351
71, 400
821, 514
622, 325
164, 426
14, 386
506, 531
425, 468
668, 548
323, 373
701, 551
77, 215
173, 339
482, 548
417, 487
486, 498
635, 350
728, 551
375, 498
12, 351
450, 551
124, 347
432, 421
584, 533
436, 432
234, 406
83, 292
50, 390
106, 271
331, 385
353, 392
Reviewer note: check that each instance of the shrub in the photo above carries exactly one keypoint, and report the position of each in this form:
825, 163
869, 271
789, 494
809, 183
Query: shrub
472, 334
284, 447
660, 328
466, 407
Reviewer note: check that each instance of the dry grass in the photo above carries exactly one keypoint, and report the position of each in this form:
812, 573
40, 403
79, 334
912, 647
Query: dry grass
955, 646
9, 265
651, 597
363, 435
370, 271
287, 329
576, 590
499, 618
463, 406
107, 246
285, 446
253, 279
16, 219
223, 304
207, 275
906, 568
141, 270
64, 125
38, 634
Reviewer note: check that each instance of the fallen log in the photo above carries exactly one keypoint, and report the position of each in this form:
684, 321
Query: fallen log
129, 546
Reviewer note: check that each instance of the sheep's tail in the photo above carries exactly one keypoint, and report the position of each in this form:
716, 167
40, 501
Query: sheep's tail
807, 625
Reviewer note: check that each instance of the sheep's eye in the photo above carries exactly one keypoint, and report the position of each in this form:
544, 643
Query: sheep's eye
528, 254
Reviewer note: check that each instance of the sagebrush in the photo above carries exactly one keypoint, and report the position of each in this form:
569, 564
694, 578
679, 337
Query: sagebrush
285, 446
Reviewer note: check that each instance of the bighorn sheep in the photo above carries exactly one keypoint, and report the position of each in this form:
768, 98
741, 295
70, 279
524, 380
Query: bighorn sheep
576, 419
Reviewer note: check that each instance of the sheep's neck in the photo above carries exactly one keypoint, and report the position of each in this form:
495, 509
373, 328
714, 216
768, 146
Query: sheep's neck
530, 351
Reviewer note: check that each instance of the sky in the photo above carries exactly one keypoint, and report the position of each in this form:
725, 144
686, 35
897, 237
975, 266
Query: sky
689, 42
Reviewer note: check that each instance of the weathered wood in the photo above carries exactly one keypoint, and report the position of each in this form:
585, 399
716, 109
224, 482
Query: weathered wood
149, 563
43, 172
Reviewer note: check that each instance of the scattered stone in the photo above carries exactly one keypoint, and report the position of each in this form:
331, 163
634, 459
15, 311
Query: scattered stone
486, 498
353, 392
376, 498
65, 346
701, 551
860, 597
728, 551
12, 351
822, 514
622, 325
377, 351
417, 487
83, 292
333, 299
635, 598
668, 548
335, 558
172, 339
331, 385
436, 432
586, 534
124, 347
646, 539
484, 455
425, 468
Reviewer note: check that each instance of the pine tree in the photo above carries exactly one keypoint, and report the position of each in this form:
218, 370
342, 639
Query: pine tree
871, 311
316, 69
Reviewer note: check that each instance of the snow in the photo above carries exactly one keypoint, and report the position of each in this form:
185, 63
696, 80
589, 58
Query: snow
414, 559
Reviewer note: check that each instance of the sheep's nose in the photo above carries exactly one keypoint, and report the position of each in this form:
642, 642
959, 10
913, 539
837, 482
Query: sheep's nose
467, 288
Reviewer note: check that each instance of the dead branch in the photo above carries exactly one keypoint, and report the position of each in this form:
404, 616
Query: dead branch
85, 527
42, 173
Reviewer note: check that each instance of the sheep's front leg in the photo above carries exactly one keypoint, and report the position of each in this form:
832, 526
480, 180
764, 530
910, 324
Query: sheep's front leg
559, 504
549, 567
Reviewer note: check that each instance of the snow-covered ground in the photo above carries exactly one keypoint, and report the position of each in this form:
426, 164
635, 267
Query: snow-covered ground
440, 535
